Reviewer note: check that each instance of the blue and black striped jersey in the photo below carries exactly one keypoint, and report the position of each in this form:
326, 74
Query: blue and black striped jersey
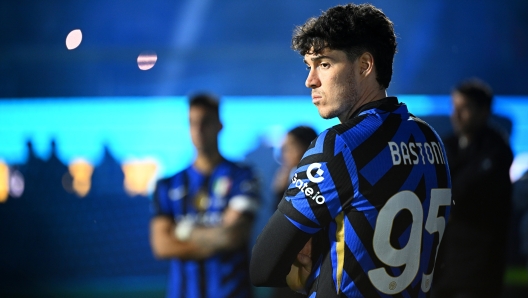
375, 192
182, 195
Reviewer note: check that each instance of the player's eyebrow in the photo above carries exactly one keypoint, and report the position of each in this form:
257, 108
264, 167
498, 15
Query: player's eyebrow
321, 57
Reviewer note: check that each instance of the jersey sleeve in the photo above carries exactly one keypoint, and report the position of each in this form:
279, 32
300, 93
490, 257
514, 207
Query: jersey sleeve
244, 195
161, 199
321, 185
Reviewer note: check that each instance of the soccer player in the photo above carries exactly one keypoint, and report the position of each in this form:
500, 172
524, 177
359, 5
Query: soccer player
203, 215
367, 206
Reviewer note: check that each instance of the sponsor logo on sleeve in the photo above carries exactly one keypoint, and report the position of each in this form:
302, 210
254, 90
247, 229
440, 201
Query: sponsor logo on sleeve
319, 173
308, 191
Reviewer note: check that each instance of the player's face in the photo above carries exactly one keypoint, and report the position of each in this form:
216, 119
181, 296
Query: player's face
204, 126
466, 116
333, 82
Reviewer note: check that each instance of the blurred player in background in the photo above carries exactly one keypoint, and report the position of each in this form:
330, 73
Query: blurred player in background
473, 257
203, 215
367, 206
520, 209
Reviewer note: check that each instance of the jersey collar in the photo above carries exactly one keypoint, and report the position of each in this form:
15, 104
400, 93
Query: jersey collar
390, 101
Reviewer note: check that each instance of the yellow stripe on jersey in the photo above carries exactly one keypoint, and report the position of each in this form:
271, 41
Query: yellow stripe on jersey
340, 248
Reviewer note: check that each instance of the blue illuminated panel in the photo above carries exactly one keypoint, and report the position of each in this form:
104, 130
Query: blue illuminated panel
157, 127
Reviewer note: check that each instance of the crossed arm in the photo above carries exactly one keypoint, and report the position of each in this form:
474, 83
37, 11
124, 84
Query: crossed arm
204, 241
281, 256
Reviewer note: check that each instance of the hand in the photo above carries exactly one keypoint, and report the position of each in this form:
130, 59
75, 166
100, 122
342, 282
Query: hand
301, 268
232, 234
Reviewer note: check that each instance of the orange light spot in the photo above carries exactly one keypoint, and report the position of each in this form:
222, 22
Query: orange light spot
81, 172
139, 175
4, 182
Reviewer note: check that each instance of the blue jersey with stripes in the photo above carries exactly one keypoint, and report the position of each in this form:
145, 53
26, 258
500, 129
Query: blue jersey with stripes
375, 192
190, 194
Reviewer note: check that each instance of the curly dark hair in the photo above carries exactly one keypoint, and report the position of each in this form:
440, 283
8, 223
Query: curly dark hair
354, 29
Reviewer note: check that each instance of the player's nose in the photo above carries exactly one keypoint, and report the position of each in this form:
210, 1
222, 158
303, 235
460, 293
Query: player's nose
312, 81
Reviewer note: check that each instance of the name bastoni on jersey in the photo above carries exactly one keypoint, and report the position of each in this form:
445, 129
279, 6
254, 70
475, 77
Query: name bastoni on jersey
413, 153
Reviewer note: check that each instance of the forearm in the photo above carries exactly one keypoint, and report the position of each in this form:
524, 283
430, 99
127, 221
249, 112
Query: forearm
202, 242
275, 251
227, 237
165, 245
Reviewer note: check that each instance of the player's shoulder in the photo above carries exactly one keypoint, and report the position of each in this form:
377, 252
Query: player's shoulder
171, 179
360, 124
370, 116
236, 166
227, 163
345, 130
322, 147
421, 123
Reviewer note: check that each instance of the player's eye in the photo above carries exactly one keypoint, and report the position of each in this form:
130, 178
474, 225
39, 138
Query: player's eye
324, 65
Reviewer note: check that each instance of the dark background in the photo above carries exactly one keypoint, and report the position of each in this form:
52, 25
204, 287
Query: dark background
238, 47
55, 244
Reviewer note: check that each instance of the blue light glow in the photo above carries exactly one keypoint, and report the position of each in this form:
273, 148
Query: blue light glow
157, 127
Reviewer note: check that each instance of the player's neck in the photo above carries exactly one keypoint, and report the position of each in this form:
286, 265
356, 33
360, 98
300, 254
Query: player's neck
371, 94
205, 162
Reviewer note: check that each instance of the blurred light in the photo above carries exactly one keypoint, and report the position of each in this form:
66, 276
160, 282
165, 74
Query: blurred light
519, 166
139, 176
146, 60
81, 172
16, 184
4, 182
74, 38
67, 182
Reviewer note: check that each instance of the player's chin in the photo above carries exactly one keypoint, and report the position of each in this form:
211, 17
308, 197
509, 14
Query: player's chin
324, 113
320, 110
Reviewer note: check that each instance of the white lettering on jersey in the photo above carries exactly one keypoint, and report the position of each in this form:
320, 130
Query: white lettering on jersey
308, 191
406, 153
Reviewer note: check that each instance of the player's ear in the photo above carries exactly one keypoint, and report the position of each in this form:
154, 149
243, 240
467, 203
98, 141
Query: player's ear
366, 64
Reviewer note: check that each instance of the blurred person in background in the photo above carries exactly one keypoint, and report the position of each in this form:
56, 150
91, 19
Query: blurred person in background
203, 215
293, 147
520, 203
367, 205
472, 257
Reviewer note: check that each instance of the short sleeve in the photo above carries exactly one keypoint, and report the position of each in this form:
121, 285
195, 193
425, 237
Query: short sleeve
321, 185
244, 196
161, 199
